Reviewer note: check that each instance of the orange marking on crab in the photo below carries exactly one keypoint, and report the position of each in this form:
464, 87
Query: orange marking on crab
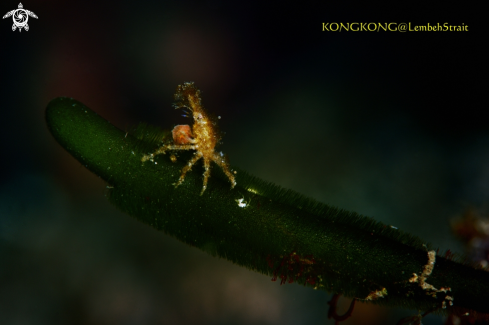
182, 134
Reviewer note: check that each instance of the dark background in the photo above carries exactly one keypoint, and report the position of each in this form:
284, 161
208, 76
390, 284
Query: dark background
391, 125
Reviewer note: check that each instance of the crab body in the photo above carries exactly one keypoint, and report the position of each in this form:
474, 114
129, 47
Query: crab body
202, 138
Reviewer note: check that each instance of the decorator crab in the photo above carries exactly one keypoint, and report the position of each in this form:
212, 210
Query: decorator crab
202, 137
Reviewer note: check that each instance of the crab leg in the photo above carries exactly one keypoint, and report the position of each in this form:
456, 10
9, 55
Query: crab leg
207, 172
219, 160
162, 150
188, 167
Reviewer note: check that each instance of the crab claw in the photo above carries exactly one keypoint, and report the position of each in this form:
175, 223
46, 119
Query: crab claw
182, 134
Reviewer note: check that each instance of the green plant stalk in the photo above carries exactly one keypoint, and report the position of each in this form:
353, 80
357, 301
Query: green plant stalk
279, 232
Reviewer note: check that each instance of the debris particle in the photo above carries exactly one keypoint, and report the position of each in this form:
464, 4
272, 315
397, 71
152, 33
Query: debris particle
241, 203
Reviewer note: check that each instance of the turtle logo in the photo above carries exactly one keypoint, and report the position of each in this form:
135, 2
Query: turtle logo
20, 17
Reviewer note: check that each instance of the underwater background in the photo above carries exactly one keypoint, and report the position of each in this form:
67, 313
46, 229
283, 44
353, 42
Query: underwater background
391, 125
